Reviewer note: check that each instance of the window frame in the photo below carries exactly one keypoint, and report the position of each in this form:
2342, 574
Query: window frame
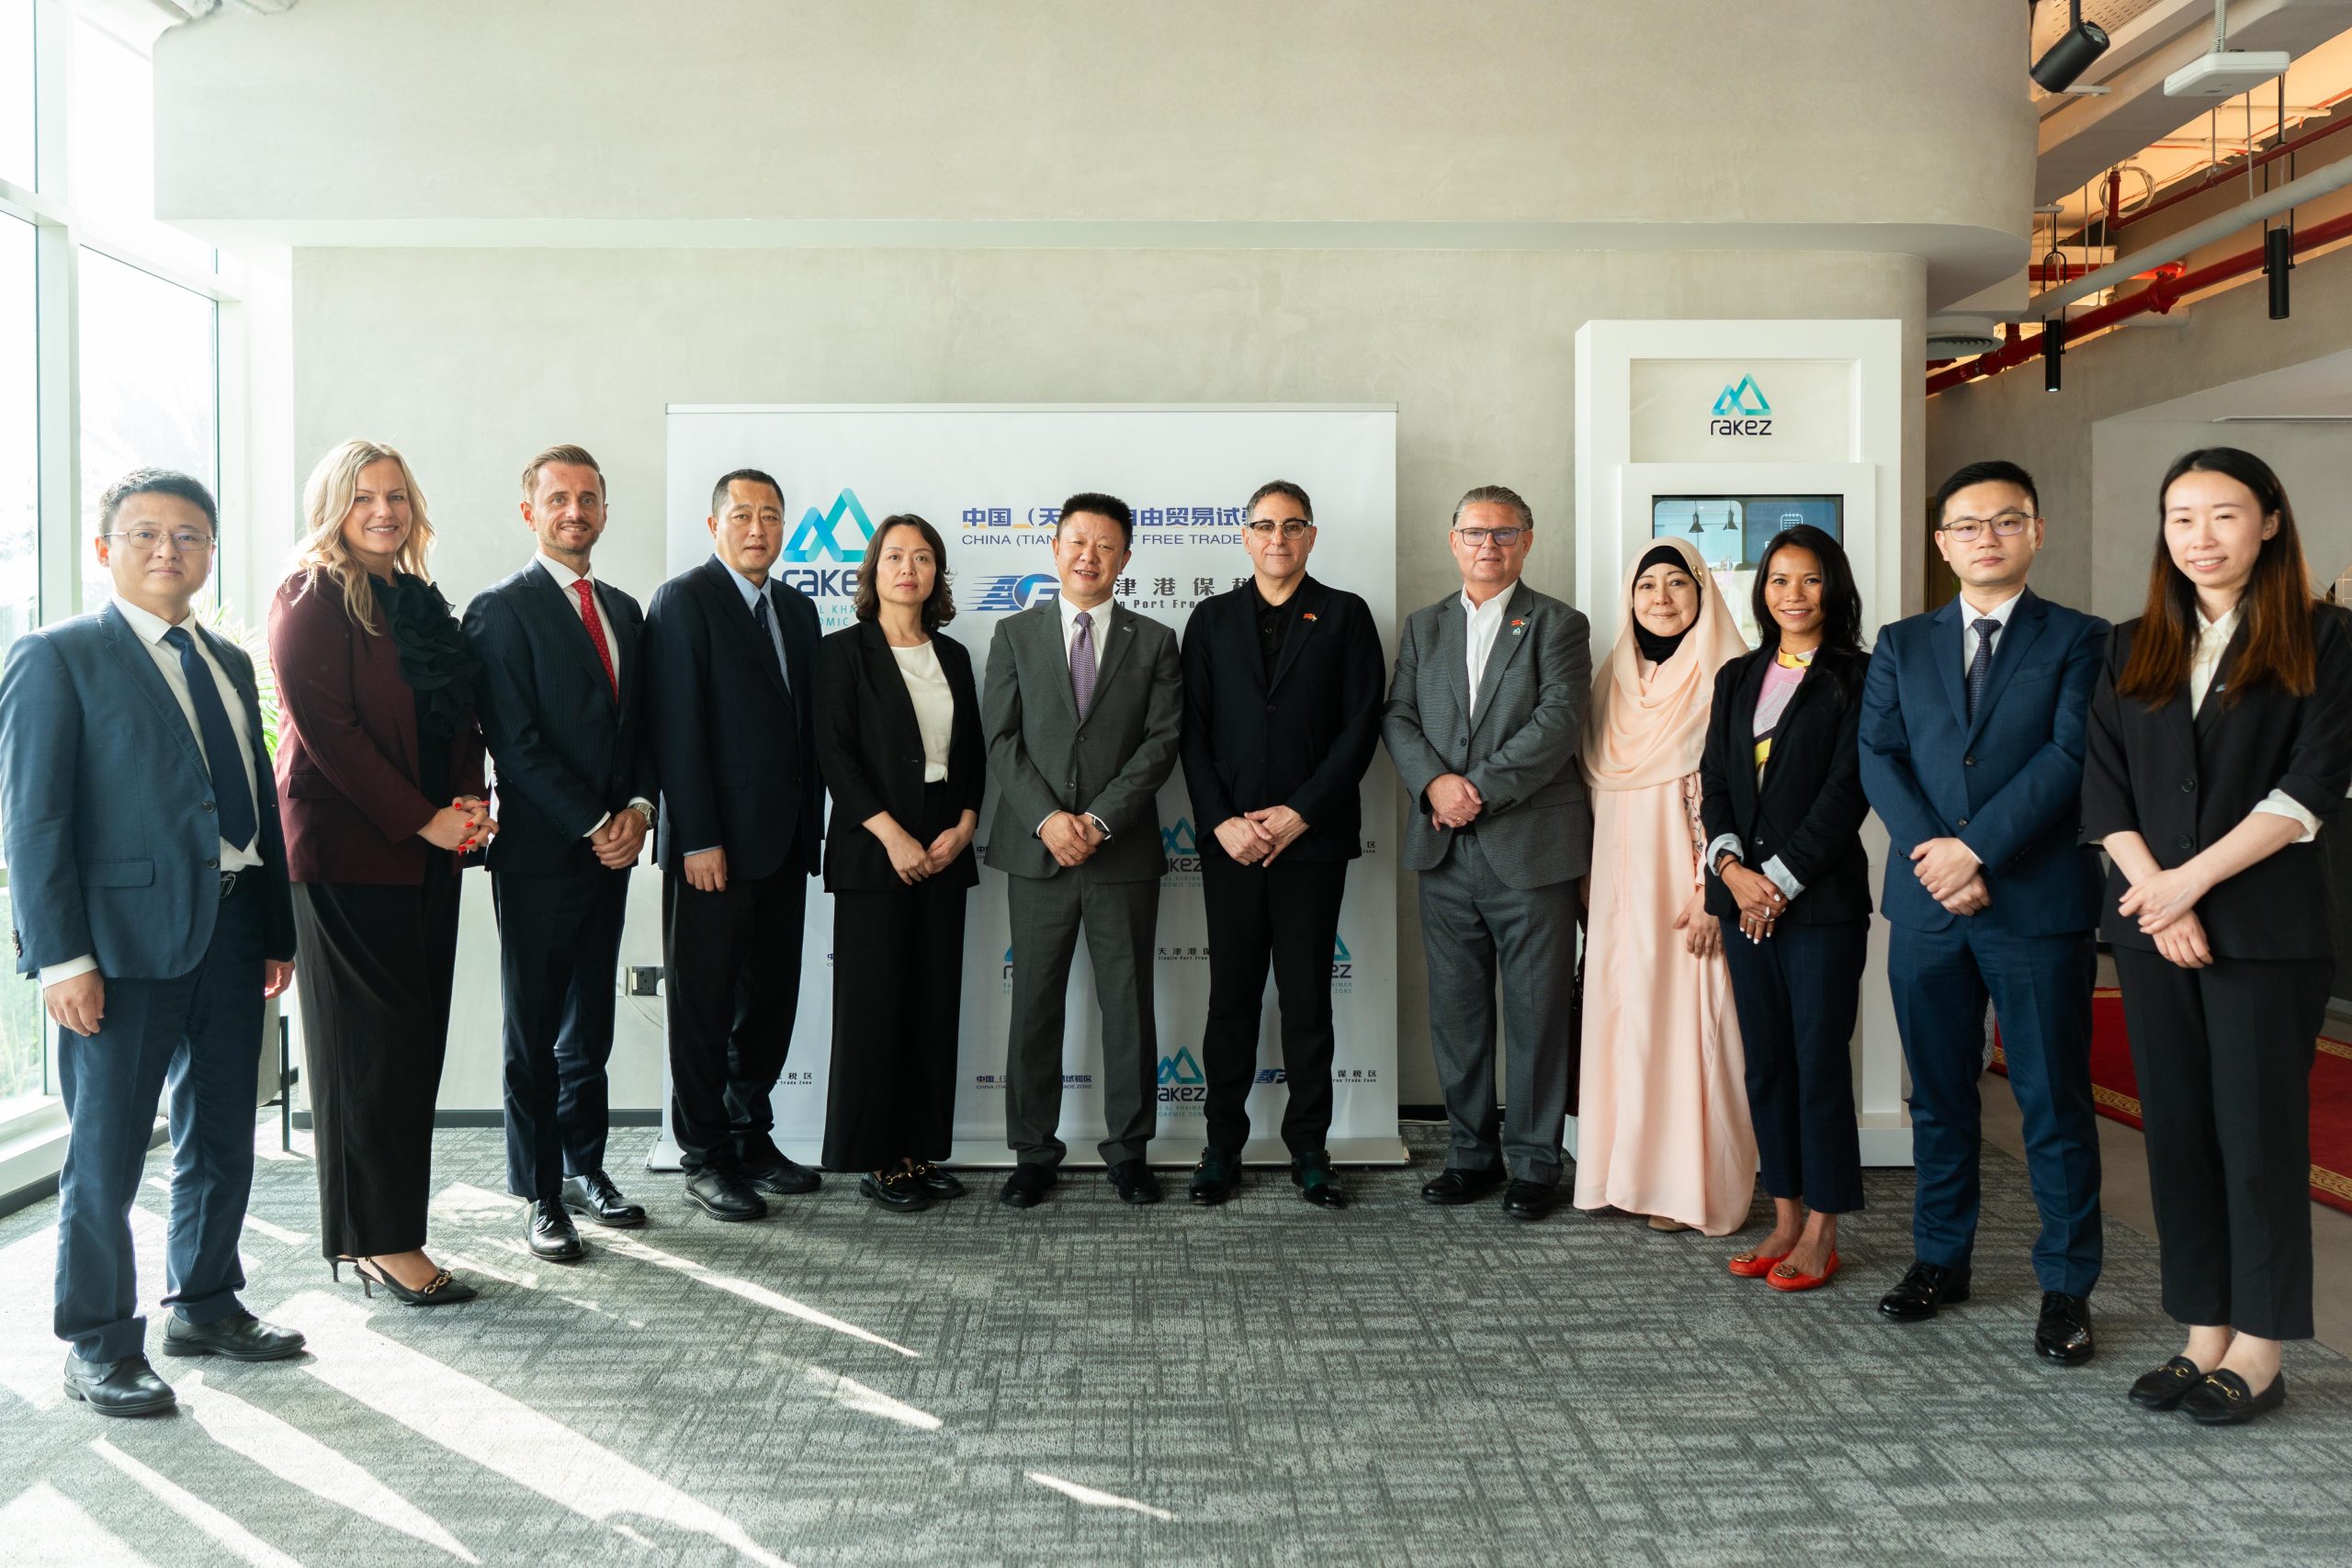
31, 1138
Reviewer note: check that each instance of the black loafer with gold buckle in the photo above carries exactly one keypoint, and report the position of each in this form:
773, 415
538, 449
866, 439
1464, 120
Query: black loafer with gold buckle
2223, 1399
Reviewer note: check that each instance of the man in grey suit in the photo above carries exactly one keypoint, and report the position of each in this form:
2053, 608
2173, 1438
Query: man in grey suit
1483, 722
1083, 712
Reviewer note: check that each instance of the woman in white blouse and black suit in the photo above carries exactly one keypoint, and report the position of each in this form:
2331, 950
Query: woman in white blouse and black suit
899, 738
2220, 742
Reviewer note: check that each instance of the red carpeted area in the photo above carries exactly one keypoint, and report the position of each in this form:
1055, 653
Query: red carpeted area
2118, 1092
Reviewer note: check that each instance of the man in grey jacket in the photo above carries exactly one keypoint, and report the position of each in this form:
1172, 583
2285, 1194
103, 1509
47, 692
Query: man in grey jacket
1484, 721
1084, 710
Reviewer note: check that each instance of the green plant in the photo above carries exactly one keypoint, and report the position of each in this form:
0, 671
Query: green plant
225, 621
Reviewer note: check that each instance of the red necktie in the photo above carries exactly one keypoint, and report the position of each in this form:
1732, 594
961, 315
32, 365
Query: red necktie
595, 625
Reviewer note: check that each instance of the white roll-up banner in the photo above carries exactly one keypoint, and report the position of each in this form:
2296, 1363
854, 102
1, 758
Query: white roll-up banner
991, 479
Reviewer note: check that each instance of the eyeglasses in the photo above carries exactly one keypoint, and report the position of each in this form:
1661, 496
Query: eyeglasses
145, 540
1968, 530
1505, 537
1291, 527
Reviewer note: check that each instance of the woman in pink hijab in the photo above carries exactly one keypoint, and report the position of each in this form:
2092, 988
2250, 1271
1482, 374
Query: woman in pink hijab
1662, 1125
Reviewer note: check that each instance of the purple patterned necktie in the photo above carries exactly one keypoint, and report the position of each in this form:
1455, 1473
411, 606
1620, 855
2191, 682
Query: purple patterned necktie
1082, 662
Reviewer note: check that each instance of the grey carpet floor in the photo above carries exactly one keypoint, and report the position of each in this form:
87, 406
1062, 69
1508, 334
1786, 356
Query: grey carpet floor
1086, 1383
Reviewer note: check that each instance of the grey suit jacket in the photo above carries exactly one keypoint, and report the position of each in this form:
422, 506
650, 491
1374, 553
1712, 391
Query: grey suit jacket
1045, 758
1519, 751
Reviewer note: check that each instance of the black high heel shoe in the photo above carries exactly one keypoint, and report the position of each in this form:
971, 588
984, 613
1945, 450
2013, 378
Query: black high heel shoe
446, 1290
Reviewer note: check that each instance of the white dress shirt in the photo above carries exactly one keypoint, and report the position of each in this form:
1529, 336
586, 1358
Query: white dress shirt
150, 628
2213, 641
1483, 622
934, 705
1100, 626
564, 578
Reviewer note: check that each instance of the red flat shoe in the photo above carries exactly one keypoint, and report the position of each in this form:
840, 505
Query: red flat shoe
1787, 1279
1752, 1264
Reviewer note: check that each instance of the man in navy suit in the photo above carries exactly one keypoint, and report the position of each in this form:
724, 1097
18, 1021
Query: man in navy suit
732, 653
561, 700
1974, 724
147, 878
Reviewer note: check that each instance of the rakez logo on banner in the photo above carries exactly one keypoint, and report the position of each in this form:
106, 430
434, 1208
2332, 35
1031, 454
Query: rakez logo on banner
1183, 848
819, 535
1741, 410
1182, 1082
1017, 592
1343, 968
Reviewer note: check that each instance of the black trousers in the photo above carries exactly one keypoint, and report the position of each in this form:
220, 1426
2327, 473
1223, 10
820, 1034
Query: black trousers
1797, 993
560, 945
1288, 913
2224, 1056
373, 974
199, 1036
897, 995
733, 965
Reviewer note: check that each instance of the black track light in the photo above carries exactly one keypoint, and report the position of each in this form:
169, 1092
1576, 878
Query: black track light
2054, 350
2277, 261
2071, 54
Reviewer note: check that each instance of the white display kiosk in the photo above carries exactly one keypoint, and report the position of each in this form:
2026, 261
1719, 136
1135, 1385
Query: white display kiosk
1725, 433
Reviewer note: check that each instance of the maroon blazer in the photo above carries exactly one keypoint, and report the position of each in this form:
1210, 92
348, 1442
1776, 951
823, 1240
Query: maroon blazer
347, 745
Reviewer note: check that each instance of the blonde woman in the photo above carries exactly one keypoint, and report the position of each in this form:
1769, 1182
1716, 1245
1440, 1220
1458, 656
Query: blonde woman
1662, 1125
380, 763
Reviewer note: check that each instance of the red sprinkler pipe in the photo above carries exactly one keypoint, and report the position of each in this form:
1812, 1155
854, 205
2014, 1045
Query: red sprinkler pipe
2220, 175
2168, 289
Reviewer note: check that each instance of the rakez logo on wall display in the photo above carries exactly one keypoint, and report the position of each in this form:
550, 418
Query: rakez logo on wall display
1182, 1082
1741, 410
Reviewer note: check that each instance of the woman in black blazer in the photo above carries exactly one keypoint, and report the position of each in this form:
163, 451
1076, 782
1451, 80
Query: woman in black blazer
2220, 742
899, 738
1781, 804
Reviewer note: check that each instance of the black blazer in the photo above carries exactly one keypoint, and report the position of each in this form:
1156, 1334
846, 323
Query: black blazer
735, 749
2181, 784
871, 748
567, 752
1302, 739
1810, 811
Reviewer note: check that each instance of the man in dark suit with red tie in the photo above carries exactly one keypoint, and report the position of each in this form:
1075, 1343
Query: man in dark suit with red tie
562, 707
733, 652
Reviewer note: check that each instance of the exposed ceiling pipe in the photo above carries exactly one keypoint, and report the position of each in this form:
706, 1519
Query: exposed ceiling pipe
2335, 176
2221, 175
2168, 289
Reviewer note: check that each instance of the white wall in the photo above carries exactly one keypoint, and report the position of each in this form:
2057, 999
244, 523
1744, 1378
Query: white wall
470, 360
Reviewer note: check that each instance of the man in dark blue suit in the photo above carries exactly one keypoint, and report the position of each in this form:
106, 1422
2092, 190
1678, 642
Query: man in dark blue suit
1972, 730
732, 656
561, 700
147, 877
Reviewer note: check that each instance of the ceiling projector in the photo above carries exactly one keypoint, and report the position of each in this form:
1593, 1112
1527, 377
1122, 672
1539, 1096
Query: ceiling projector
2226, 73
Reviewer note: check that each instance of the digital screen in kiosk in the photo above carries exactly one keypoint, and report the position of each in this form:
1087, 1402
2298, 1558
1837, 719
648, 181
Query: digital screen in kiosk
1731, 532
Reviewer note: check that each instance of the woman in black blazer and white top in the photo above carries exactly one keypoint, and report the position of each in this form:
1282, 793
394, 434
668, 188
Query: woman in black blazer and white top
1780, 800
2220, 742
899, 738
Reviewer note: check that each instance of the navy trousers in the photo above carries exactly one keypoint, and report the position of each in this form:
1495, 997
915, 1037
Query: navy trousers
200, 1035
2040, 991
560, 945
1797, 993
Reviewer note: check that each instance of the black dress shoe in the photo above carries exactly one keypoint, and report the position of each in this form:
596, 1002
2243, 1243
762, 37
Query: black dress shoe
780, 1178
1027, 1185
1453, 1185
1924, 1288
2064, 1335
596, 1196
244, 1338
1215, 1179
897, 1191
1135, 1182
1531, 1199
1316, 1181
723, 1194
551, 1234
937, 1182
128, 1387
2223, 1399
2168, 1385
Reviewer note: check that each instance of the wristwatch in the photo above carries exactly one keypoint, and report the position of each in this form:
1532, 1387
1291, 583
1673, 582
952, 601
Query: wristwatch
643, 809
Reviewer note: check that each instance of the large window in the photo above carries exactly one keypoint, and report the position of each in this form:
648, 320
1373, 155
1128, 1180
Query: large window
111, 329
